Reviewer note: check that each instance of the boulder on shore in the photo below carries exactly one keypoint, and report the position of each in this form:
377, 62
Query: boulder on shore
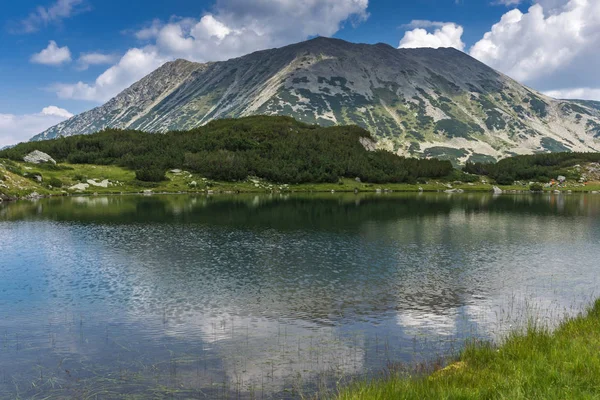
104, 184
80, 187
497, 190
38, 157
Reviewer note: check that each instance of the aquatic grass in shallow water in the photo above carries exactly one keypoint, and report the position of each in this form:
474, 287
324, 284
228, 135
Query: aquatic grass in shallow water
537, 364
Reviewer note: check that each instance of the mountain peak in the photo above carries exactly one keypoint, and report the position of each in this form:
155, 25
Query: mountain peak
420, 102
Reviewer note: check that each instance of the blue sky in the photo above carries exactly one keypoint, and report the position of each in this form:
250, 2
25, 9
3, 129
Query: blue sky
62, 57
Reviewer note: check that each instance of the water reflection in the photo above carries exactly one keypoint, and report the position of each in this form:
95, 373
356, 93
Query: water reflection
274, 295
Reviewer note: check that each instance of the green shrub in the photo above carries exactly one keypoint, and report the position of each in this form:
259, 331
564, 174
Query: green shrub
55, 183
505, 179
457, 175
151, 174
536, 187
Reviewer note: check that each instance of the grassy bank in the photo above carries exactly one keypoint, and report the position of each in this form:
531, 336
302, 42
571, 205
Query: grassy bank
19, 180
535, 365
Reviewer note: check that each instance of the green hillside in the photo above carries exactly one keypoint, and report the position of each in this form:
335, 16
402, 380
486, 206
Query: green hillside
277, 149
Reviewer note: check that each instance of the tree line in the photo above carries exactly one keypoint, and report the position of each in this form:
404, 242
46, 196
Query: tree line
278, 149
537, 167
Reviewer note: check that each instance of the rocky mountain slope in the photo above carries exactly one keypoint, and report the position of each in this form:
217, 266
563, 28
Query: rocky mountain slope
421, 102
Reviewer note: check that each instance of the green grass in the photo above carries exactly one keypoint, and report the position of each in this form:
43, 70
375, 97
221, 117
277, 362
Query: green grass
16, 185
537, 364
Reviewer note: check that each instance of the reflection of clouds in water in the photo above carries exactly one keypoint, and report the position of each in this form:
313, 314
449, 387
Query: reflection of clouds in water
415, 323
90, 201
272, 301
252, 350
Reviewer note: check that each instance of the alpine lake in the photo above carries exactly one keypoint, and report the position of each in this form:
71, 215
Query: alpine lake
275, 296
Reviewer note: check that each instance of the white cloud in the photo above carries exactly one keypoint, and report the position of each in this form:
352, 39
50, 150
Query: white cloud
52, 55
448, 35
508, 3
150, 31
553, 46
135, 64
87, 59
424, 23
55, 13
19, 128
577, 93
57, 112
235, 28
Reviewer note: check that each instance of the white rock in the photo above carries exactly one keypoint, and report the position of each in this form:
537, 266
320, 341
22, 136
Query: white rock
103, 184
38, 157
80, 187
497, 190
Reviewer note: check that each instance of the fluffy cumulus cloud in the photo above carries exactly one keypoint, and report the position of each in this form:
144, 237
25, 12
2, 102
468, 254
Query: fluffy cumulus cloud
53, 111
87, 59
135, 64
52, 55
55, 13
446, 35
18, 128
234, 28
552, 47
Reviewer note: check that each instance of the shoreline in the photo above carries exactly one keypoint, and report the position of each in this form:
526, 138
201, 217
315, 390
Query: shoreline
537, 363
21, 181
37, 196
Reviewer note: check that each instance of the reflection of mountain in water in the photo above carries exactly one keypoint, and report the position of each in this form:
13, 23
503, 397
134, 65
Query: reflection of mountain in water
321, 258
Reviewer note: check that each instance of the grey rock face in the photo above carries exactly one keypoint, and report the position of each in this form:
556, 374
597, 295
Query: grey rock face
38, 157
419, 102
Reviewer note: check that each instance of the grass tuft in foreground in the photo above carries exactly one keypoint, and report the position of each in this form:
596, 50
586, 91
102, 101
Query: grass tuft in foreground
537, 364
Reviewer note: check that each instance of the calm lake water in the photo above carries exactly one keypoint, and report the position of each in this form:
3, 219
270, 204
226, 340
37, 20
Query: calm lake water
274, 296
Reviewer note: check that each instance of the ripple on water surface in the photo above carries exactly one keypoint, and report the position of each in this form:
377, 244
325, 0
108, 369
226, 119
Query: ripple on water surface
274, 296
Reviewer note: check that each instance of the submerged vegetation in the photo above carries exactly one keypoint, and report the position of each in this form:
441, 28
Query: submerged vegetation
278, 149
538, 364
